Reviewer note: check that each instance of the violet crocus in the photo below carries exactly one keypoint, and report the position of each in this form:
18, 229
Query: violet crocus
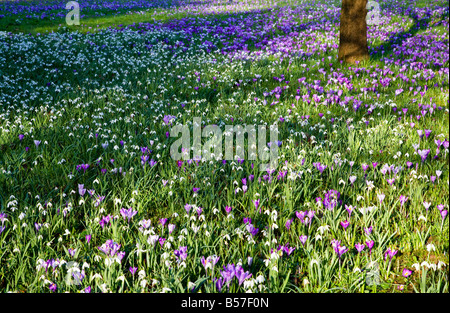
370, 244
241, 275
210, 261
256, 204
349, 209
303, 239
53, 287
423, 154
163, 221
133, 270
444, 214
181, 253
252, 229
110, 248
288, 223
340, 250
381, 197
368, 230
391, 253
88, 238
403, 199
37, 143
360, 247
21, 137
406, 273
365, 167
228, 209
128, 214
345, 224
171, 228
219, 283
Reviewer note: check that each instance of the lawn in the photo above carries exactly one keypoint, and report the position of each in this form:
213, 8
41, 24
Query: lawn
92, 200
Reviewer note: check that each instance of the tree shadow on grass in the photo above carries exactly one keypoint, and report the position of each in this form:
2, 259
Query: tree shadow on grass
396, 40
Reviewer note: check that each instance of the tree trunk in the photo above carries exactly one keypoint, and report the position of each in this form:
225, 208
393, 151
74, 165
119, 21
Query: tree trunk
353, 31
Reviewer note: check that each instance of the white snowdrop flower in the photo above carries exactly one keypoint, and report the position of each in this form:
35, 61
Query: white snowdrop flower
441, 264
121, 278
433, 266
141, 274
66, 232
425, 263
249, 283
96, 276
191, 285
416, 266
431, 247
275, 268
96, 181
260, 279
165, 289
356, 270
323, 228
422, 218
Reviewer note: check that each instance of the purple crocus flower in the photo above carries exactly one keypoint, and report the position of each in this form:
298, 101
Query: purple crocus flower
88, 238
365, 167
403, 199
187, 207
163, 221
81, 190
87, 289
110, 248
423, 154
128, 214
252, 229
228, 209
21, 137
256, 204
37, 143
171, 228
340, 250
360, 247
391, 253
370, 244
406, 273
53, 287
133, 270
241, 275
303, 239
181, 253
349, 209
288, 223
345, 224
195, 190
331, 199
219, 283
427, 133
368, 230
444, 214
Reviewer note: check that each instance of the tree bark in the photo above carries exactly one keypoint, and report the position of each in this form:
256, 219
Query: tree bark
353, 31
